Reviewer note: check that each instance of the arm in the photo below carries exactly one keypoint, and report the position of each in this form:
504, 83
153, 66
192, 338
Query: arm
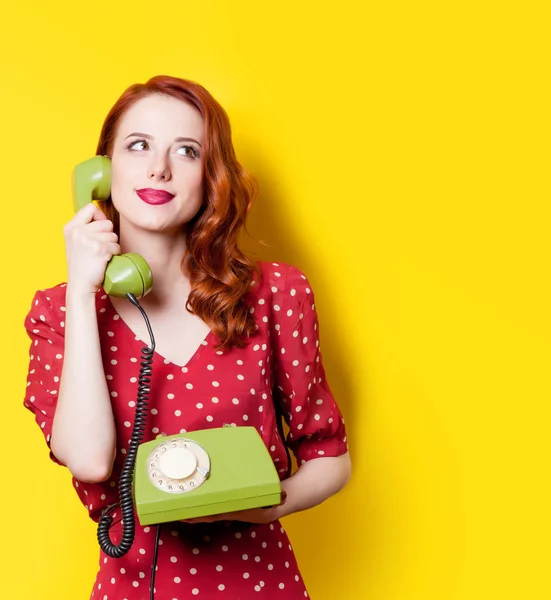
83, 430
313, 483
317, 433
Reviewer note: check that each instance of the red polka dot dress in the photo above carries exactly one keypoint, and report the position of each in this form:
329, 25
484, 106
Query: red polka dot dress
280, 371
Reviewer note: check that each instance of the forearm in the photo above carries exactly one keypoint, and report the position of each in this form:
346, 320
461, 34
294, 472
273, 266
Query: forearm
83, 430
313, 483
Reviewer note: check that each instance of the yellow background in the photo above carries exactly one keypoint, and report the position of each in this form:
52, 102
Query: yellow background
403, 154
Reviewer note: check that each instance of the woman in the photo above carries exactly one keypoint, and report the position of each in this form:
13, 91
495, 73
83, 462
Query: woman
236, 343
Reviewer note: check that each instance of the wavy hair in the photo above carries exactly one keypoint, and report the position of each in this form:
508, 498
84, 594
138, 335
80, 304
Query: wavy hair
220, 273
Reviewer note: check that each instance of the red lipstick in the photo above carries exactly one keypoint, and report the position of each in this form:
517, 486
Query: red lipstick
153, 196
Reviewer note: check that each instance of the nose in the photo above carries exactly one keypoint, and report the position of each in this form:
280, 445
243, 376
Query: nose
159, 170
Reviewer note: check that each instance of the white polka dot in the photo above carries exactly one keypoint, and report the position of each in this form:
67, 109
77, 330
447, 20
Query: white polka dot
281, 586
135, 584
178, 413
199, 405
219, 568
276, 307
215, 383
235, 401
240, 377
127, 423
246, 576
210, 367
210, 418
170, 376
224, 548
177, 580
195, 591
195, 551
215, 400
173, 559
193, 571
270, 567
189, 386
289, 312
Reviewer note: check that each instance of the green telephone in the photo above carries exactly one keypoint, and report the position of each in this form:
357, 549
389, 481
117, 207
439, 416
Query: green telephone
175, 477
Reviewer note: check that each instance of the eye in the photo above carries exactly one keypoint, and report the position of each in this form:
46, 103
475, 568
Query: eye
132, 144
189, 151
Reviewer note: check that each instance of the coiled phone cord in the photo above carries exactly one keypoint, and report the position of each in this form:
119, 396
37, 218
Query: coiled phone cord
127, 473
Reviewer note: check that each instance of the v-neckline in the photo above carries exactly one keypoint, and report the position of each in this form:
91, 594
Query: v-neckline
202, 344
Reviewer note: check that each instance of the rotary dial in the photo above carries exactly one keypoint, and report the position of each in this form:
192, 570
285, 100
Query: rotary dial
178, 466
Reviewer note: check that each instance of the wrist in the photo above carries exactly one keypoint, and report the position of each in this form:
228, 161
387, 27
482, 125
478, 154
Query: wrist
79, 295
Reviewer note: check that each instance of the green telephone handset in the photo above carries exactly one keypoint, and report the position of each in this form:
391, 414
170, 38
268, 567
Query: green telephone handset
174, 477
127, 273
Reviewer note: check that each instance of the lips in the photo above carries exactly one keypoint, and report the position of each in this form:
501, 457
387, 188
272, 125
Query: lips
153, 196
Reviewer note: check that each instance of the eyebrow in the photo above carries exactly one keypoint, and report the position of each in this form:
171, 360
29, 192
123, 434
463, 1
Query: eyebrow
150, 137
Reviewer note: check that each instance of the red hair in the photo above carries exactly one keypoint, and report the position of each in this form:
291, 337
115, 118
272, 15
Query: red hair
220, 273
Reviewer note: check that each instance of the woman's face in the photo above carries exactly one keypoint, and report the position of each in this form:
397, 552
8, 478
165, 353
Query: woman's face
158, 147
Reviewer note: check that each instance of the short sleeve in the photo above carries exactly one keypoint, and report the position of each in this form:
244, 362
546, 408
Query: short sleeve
45, 329
316, 425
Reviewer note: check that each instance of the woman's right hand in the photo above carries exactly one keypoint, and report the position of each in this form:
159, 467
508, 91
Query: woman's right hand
90, 243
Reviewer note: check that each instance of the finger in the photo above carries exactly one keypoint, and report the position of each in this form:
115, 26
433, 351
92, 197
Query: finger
101, 225
104, 238
87, 214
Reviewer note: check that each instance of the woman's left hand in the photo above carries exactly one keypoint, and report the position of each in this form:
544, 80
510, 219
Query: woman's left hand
253, 515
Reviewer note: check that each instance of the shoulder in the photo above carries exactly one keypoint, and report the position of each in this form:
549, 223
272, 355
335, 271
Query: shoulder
50, 297
280, 281
47, 307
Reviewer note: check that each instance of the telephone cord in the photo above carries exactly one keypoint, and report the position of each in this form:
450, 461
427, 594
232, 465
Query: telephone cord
127, 473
